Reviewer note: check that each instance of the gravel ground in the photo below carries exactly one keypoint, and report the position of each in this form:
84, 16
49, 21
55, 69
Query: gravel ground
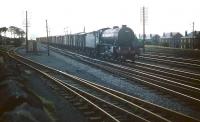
107, 79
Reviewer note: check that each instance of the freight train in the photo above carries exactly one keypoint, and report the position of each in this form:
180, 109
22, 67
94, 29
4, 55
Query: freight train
116, 42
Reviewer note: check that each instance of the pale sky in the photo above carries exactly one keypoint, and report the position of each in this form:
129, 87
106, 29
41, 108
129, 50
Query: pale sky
163, 15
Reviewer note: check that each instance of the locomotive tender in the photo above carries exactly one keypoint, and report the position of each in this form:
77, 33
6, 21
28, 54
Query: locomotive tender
120, 43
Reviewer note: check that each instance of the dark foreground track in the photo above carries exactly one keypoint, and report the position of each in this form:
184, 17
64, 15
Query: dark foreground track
97, 104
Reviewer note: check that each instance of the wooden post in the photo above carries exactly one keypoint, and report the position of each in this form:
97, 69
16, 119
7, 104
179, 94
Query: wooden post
144, 35
26, 32
47, 38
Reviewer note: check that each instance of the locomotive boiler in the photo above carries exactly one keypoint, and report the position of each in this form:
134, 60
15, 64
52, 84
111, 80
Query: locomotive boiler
118, 42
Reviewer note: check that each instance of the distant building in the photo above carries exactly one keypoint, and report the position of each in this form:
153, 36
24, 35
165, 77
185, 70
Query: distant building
155, 39
151, 39
191, 40
171, 39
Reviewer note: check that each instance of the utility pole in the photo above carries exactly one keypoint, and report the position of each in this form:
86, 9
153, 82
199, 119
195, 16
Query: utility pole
84, 29
193, 35
143, 13
66, 34
47, 37
70, 36
144, 19
26, 32
193, 28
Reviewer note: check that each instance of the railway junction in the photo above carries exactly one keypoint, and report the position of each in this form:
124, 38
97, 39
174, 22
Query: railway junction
83, 88
99, 61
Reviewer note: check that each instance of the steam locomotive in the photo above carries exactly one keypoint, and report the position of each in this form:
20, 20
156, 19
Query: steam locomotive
116, 42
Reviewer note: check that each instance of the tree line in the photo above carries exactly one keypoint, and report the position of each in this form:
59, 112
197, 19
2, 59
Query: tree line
15, 31
17, 36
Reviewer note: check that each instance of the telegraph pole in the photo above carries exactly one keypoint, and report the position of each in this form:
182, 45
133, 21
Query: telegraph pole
47, 37
144, 36
26, 32
84, 29
193, 28
193, 35
143, 16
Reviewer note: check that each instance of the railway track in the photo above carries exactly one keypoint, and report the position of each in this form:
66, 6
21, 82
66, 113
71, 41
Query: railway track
175, 52
72, 88
180, 59
185, 92
98, 99
171, 55
162, 114
180, 76
65, 87
181, 62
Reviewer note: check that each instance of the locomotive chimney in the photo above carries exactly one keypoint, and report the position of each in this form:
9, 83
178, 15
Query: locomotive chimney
114, 27
123, 26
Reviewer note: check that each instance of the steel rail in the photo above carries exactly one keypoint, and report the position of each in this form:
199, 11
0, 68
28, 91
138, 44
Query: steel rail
173, 58
157, 117
184, 74
176, 93
93, 107
187, 91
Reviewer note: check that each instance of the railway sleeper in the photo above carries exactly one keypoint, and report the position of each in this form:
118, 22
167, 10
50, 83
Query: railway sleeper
74, 99
83, 108
68, 97
115, 113
78, 104
95, 118
59, 76
105, 106
115, 102
99, 95
119, 105
75, 84
121, 118
168, 116
62, 92
108, 110
52, 86
158, 112
88, 113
